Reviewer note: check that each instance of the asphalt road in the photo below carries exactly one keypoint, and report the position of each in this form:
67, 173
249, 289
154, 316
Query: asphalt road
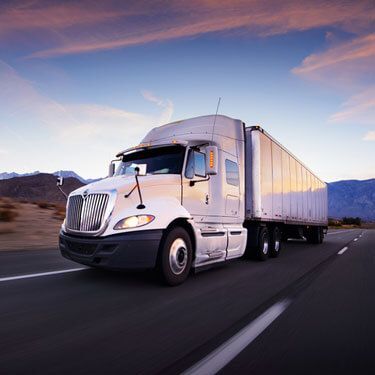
309, 311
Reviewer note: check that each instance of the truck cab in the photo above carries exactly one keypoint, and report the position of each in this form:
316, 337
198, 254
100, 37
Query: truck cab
174, 202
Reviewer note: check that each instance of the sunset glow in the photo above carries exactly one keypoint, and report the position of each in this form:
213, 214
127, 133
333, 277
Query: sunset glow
82, 80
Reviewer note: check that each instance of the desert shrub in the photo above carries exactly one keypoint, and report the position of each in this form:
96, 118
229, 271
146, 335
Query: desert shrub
352, 221
334, 222
7, 206
45, 205
59, 213
7, 215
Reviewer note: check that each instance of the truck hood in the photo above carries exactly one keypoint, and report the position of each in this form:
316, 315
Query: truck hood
123, 184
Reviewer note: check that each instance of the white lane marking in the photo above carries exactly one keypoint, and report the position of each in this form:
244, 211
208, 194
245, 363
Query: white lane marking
226, 352
40, 274
341, 231
355, 239
342, 251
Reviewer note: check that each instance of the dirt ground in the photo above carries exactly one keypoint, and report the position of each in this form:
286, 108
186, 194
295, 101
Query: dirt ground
33, 227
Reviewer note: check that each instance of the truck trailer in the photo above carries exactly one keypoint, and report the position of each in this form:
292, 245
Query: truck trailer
192, 194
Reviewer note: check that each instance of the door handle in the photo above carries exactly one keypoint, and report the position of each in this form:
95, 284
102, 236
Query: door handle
207, 199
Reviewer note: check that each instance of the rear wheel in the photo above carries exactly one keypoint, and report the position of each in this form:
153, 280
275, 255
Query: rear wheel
275, 242
175, 257
315, 235
262, 250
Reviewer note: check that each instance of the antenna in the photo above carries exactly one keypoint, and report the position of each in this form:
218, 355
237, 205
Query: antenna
217, 110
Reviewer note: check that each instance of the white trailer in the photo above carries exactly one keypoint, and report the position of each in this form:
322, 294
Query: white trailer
194, 193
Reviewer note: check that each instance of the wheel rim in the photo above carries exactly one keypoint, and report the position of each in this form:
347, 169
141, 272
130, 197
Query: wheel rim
178, 256
265, 245
277, 245
277, 242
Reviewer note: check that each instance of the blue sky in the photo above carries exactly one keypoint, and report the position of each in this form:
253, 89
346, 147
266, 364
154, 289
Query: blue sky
81, 80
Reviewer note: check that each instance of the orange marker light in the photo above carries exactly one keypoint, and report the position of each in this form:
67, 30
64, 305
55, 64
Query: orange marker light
211, 159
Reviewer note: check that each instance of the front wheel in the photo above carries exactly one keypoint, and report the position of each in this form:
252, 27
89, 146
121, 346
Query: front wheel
175, 257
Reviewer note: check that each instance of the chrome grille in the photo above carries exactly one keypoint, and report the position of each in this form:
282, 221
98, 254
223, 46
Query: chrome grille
86, 214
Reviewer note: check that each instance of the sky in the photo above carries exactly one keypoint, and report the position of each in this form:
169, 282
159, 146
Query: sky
82, 80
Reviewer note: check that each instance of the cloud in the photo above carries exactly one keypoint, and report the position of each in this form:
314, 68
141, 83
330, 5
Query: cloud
42, 133
90, 26
26, 16
343, 55
346, 66
369, 136
166, 104
78, 123
359, 108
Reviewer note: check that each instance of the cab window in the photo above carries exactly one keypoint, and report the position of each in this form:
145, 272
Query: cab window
231, 172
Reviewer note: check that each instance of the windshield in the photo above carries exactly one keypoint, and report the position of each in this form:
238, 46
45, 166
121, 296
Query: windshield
160, 160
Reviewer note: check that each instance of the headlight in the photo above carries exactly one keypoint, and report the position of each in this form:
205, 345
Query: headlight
134, 221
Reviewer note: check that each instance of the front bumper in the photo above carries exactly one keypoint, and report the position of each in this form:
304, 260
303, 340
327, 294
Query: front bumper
121, 251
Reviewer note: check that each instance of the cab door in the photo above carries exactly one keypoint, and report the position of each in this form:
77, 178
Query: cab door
195, 189
211, 237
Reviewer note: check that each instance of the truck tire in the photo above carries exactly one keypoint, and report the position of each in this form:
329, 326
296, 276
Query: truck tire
176, 255
315, 235
262, 250
319, 235
275, 242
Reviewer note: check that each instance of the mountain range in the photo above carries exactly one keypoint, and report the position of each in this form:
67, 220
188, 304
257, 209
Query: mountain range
65, 174
345, 198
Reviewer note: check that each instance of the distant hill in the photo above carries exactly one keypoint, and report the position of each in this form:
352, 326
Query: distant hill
65, 174
38, 187
352, 198
6, 175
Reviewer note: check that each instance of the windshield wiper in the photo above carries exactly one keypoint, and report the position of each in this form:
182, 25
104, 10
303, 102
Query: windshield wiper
141, 205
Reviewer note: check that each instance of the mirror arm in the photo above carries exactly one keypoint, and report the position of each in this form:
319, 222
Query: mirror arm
65, 195
192, 183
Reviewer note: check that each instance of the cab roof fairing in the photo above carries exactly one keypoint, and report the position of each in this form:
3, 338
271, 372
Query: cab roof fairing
198, 129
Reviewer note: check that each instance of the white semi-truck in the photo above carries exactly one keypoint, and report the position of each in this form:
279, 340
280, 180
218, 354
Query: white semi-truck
194, 193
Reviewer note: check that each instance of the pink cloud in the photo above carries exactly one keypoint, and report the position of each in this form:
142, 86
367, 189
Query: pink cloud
361, 48
86, 27
359, 108
26, 16
369, 136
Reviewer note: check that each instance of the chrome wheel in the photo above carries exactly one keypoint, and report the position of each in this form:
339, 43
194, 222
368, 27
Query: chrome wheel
277, 245
178, 256
265, 246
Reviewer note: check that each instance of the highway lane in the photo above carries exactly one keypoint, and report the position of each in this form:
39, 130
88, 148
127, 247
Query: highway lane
95, 321
329, 328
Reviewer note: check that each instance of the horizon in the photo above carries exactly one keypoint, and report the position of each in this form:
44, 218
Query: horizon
94, 178
81, 81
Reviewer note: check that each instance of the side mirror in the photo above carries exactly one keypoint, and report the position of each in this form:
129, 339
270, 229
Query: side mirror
212, 160
60, 181
111, 169
141, 169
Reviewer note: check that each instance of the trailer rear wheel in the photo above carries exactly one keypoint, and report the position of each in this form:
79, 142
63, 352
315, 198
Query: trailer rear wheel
315, 235
175, 257
275, 242
262, 250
